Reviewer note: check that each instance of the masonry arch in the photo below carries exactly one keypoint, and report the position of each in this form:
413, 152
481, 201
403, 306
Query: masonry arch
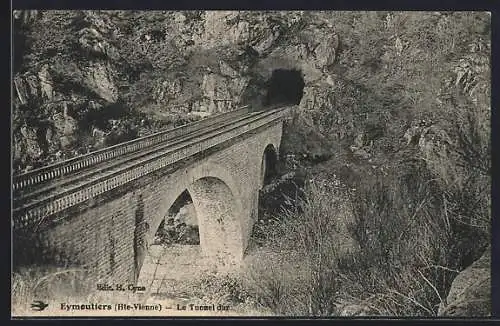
210, 205
213, 209
268, 169
215, 195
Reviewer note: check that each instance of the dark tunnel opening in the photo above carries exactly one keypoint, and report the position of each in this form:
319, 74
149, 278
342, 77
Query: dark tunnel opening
285, 87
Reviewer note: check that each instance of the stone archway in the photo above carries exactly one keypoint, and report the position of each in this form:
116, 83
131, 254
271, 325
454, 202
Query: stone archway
217, 214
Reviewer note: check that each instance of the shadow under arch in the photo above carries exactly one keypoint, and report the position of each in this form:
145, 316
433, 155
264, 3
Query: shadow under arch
268, 168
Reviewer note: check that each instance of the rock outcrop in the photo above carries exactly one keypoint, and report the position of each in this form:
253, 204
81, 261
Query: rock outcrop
470, 293
162, 63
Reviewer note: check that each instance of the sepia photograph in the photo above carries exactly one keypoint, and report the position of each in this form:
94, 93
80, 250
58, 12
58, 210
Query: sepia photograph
251, 163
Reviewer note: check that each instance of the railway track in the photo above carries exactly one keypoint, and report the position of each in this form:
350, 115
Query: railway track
136, 161
110, 165
30, 181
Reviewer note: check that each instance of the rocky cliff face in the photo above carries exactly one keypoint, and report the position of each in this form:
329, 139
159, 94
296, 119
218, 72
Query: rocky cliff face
89, 67
78, 70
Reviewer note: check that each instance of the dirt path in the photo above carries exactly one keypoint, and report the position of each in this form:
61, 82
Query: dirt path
176, 278
165, 268
178, 275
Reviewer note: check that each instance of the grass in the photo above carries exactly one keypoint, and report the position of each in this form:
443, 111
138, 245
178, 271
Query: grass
389, 247
42, 283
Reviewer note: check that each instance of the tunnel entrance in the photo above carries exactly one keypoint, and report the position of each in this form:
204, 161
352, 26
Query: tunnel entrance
285, 87
180, 225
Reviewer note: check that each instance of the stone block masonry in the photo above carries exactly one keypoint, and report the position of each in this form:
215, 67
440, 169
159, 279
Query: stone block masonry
223, 183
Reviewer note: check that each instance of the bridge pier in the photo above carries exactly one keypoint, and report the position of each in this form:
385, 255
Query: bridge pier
218, 220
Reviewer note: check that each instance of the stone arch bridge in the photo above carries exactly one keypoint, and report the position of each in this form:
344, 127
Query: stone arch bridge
92, 210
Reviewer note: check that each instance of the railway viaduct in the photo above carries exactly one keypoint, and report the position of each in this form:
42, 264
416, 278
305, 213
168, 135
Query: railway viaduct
94, 221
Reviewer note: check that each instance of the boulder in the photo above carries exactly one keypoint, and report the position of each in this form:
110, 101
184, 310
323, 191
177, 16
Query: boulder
100, 79
470, 292
45, 82
227, 70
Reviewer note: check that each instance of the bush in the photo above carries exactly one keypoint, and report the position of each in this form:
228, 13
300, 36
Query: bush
302, 279
388, 247
277, 284
48, 283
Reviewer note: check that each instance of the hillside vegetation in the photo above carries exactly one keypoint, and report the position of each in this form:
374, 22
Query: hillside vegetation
396, 159
389, 146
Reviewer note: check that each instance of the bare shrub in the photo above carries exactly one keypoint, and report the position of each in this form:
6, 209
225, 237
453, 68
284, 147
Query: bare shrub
301, 280
277, 282
388, 247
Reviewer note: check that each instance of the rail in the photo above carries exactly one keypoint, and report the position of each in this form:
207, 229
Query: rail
123, 160
75, 164
36, 212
